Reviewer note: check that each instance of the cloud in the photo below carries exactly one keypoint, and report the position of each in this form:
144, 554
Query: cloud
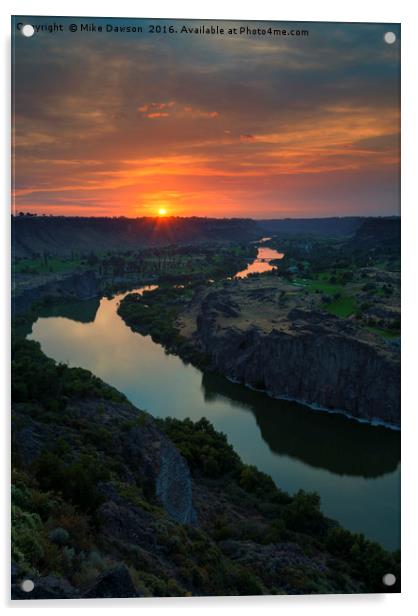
239, 122
200, 113
150, 107
160, 110
156, 114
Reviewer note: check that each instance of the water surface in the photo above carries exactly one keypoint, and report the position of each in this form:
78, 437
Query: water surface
354, 467
262, 263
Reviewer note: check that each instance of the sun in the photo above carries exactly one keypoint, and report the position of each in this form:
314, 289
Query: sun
162, 211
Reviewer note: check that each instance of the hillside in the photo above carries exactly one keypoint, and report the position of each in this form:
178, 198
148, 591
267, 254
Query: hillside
378, 236
108, 502
326, 227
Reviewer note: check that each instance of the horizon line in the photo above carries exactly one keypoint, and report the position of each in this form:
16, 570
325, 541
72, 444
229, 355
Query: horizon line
168, 217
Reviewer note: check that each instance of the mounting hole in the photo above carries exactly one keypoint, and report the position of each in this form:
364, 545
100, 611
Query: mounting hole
390, 38
27, 586
389, 579
28, 30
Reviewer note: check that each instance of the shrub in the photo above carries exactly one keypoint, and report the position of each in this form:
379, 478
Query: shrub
37, 378
246, 582
204, 448
59, 536
77, 481
256, 482
27, 538
276, 532
368, 560
304, 514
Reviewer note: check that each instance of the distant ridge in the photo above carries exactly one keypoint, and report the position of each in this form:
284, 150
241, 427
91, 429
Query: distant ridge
379, 235
60, 235
64, 235
333, 226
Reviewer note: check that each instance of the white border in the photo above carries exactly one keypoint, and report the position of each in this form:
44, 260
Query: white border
303, 10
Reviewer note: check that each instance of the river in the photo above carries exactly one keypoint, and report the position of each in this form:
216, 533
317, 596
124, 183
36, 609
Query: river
355, 467
262, 262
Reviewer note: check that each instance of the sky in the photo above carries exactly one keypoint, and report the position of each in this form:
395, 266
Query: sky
130, 124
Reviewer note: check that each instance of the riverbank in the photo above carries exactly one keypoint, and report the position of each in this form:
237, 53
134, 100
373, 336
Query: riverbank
322, 409
265, 333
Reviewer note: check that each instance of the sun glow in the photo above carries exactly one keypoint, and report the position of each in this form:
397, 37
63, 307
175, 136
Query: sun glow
162, 211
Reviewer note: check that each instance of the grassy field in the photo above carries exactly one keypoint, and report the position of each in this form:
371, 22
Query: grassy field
320, 284
45, 266
342, 307
385, 333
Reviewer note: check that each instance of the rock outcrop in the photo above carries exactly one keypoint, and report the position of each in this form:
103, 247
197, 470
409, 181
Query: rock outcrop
309, 356
143, 449
114, 583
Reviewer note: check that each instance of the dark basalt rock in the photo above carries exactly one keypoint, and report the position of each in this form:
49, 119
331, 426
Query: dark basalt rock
126, 523
314, 358
143, 447
116, 583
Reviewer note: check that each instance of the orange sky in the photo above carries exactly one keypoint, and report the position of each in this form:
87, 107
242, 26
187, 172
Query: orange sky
208, 127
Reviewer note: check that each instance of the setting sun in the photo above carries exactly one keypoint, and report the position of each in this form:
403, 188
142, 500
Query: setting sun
162, 211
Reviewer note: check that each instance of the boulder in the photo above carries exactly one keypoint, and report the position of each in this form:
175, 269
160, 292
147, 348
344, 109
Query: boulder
116, 583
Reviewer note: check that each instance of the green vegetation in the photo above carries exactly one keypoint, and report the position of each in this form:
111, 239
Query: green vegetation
321, 283
155, 312
75, 481
349, 279
209, 453
342, 306
200, 261
297, 519
46, 264
385, 333
335, 298
204, 449
38, 378
48, 533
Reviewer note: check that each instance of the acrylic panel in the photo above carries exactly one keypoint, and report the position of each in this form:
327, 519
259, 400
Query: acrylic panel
206, 308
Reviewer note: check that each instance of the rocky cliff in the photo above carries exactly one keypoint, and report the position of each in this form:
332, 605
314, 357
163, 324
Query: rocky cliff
305, 355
